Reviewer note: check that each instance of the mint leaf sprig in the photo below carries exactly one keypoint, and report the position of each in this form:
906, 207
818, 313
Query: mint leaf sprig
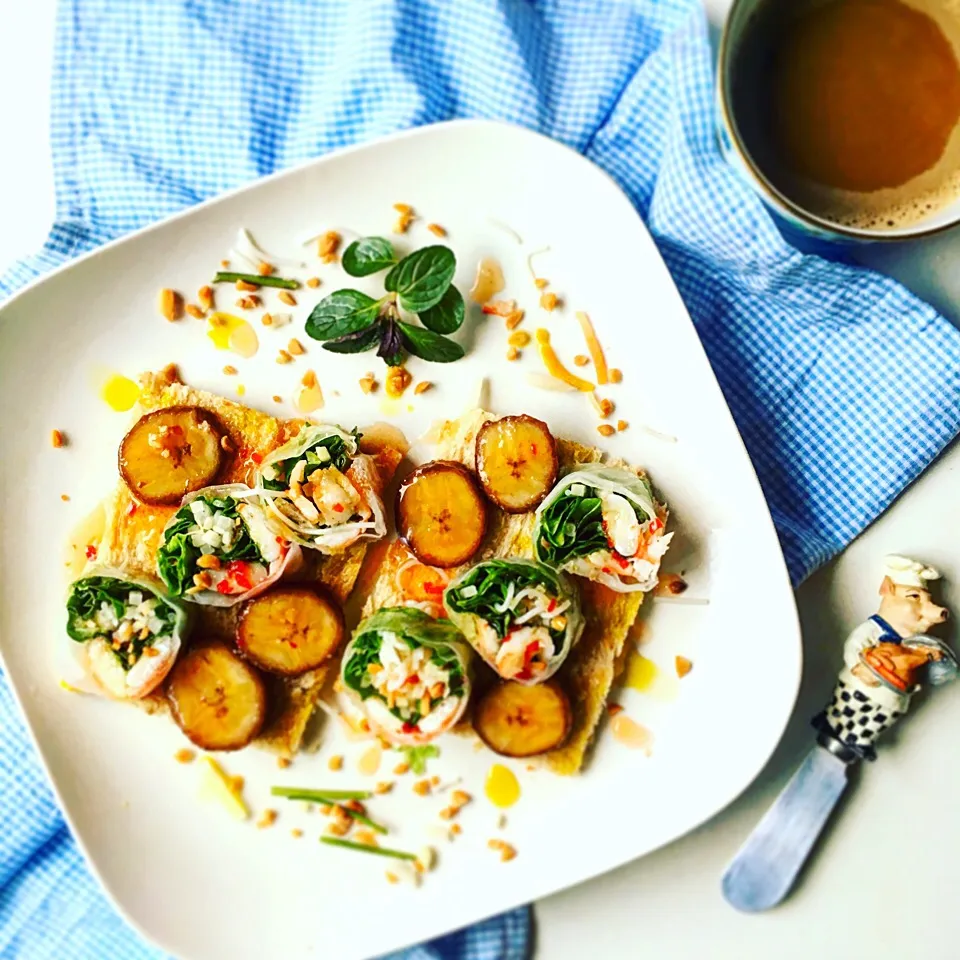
349, 321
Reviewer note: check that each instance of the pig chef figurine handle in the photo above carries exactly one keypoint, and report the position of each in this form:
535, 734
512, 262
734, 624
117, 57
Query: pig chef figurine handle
887, 659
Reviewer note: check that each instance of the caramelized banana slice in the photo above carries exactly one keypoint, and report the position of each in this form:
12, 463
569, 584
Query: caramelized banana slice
170, 453
290, 630
441, 513
519, 721
217, 699
516, 462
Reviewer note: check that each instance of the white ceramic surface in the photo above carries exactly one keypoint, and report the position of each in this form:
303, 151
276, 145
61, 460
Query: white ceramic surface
204, 886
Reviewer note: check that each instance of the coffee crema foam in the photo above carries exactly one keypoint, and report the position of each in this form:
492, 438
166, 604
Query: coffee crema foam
896, 207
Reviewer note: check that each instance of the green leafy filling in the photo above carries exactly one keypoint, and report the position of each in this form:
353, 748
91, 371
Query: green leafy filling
335, 445
84, 603
177, 556
417, 757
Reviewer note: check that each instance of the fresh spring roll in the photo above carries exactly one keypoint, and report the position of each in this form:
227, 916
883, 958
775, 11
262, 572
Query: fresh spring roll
321, 491
408, 674
219, 549
124, 634
603, 523
521, 616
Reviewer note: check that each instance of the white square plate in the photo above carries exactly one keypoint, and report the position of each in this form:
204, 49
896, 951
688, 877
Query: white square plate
204, 886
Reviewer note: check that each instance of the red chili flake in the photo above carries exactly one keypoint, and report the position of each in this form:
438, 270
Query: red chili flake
622, 561
607, 570
410, 728
293, 643
524, 675
434, 589
224, 587
256, 457
656, 524
91, 552
551, 606
239, 570
132, 509
533, 449
338, 508
413, 678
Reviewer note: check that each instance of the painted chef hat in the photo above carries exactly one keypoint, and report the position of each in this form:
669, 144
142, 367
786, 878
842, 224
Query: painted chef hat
909, 573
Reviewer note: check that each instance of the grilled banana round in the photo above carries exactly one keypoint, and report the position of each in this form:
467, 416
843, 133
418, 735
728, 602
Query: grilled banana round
518, 721
516, 462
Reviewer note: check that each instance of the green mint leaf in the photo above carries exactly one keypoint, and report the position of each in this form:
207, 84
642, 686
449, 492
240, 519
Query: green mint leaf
368, 255
355, 342
446, 316
342, 313
421, 279
428, 345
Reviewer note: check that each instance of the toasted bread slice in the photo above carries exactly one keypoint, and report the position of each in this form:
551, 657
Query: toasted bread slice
595, 661
134, 531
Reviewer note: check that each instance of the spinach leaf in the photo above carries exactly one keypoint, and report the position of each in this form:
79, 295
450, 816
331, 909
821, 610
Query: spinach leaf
340, 314
177, 556
421, 278
355, 342
445, 316
334, 445
571, 527
366, 256
428, 345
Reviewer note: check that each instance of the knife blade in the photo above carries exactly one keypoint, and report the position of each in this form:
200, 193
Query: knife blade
766, 866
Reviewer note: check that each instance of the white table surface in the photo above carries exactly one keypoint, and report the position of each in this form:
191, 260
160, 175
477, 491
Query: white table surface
885, 882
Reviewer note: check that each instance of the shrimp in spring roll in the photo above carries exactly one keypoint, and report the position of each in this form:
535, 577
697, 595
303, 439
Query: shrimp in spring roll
219, 549
320, 491
124, 634
604, 524
408, 674
521, 616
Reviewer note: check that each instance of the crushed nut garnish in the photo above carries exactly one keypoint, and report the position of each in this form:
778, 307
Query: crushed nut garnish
519, 339
284, 357
606, 407
203, 580
456, 829
421, 788
230, 370
683, 665
328, 245
500, 308
313, 282
184, 756
205, 296
196, 312
549, 301
325, 809
267, 819
285, 296
622, 425
335, 762
514, 320
365, 836
296, 347
448, 813
248, 303
224, 263
283, 762
392, 877
616, 375
403, 223
506, 851
434, 781
265, 269
309, 380
403, 208
208, 561
513, 354
385, 786
422, 387
64, 497
170, 305
398, 379
460, 798
436, 229
58, 439
338, 829
540, 282
581, 360
296, 833
368, 384
246, 287
613, 709
267, 320
605, 430
401, 768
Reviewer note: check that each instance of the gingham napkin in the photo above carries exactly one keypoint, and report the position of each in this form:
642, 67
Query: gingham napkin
844, 385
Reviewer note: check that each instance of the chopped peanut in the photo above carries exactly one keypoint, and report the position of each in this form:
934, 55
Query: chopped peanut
403, 223
296, 833
683, 665
507, 853
267, 819
196, 312
267, 320
421, 788
224, 263
422, 387
392, 877
313, 282
436, 229
622, 425
328, 245
338, 829
456, 829
248, 303
283, 762
58, 439
403, 208
540, 283
613, 709
460, 798
277, 399
368, 384
170, 373
205, 296
398, 379
448, 813
500, 308
365, 836
616, 375
605, 430
203, 580
519, 339
401, 768
514, 319
284, 357
385, 786
246, 287
606, 407
558, 623
513, 354
309, 380
355, 805
296, 347
208, 561
434, 781
335, 762
549, 301
184, 756
230, 370
64, 497
581, 360
285, 296
265, 269
170, 305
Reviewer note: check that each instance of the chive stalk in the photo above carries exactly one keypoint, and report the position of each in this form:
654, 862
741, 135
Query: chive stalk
365, 848
319, 796
261, 281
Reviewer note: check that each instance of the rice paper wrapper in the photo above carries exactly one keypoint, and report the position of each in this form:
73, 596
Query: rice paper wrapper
557, 583
290, 562
76, 672
413, 624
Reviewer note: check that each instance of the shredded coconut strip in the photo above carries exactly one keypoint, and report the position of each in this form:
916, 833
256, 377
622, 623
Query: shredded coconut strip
555, 368
593, 345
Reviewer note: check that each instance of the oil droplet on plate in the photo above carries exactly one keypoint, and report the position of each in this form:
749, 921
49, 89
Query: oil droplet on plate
120, 393
502, 787
644, 676
83, 542
631, 734
379, 435
234, 334
308, 399
369, 762
489, 281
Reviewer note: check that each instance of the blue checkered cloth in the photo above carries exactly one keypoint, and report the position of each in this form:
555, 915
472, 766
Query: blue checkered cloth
844, 386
